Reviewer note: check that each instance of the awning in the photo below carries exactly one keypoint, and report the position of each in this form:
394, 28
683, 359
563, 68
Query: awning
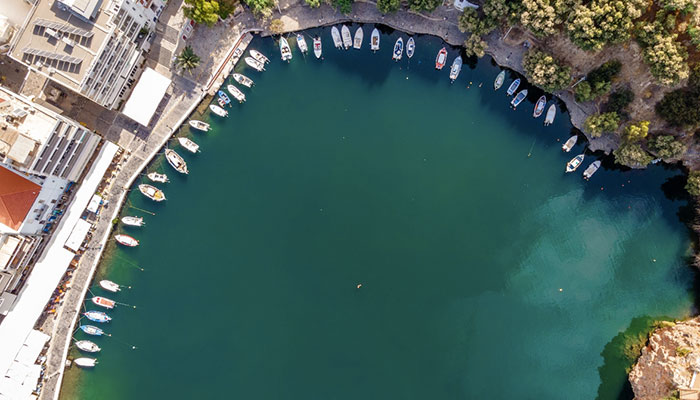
147, 94
77, 236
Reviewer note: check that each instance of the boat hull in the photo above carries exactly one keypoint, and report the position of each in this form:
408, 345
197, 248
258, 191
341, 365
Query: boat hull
85, 362
441, 59
87, 346
357, 42
499, 80
398, 50
374, 40
152, 192
126, 240
103, 302
109, 286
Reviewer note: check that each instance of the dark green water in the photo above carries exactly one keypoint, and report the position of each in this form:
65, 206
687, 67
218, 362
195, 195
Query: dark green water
353, 170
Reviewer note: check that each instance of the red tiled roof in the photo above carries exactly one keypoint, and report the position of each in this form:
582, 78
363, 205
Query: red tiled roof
17, 194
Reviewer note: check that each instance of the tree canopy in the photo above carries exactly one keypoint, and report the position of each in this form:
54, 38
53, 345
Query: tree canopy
597, 124
667, 146
599, 22
475, 46
598, 81
543, 17
260, 7
388, 6
424, 5
187, 60
666, 58
619, 100
471, 22
636, 132
202, 11
693, 185
632, 155
545, 71
680, 107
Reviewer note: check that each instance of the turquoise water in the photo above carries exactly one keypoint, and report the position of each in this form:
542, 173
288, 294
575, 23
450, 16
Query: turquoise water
485, 272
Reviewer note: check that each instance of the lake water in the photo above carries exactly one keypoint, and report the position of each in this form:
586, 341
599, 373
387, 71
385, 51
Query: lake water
486, 271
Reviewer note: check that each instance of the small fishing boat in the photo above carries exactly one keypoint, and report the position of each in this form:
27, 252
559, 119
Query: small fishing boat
518, 98
398, 50
456, 68
133, 221
551, 113
285, 50
222, 102
441, 58
539, 107
103, 302
569, 143
588, 173
499, 80
152, 192
236, 93
92, 330
374, 40
255, 64
259, 56
574, 163
243, 80
347, 38
513, 87
218, 110
223, 96
301, 42
156, 177
97, 316
199, 125
85, 362
318, 48
126, 240
110, 286
176, 161
87, 346
335, 33
359, 35
410, 47
188, 144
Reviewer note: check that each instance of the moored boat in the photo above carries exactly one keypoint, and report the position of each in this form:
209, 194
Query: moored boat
569, 143
109, 286
133, 221
243, 80
574, 163
551, 113
347, 38
588, 173
236, 93
441, 58
518, 98
222, 102
97, 316
87, 346
92, 330
374, 40
285, 50
188, 144
318, 47
255, 64
410, 47
513, 87
398, 50
126, 240
499, 80
176, 161
218, 110
259, 56
151, 192
359, 35
455, 68
199, 125
335, 34
223, 96
85, 362
103, 302
156, 177
301, 42
539, 107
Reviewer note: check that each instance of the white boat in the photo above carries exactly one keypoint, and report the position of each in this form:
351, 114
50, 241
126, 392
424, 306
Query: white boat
513, 87
202, 126
574, 163
588, 173
87, 346
156, 177
518, 98
218, 110
133, 221
359, 35
285, 50
176, 161
569, 143
441, 58
336, 38
410, 47
103, 302
499, 80
259, 56
110, 286
374, 40
152, 192
126, 240
347, 38
243, 80
551, 113
188, 144
255, 64
85, 362
456, 68
236, 93
398, 50
318, 47
301, 42
539, 107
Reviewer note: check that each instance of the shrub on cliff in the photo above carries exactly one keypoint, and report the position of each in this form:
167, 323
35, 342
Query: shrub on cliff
667, 146
597, 23
388, 6
597, 124
475, 46
543, 17
424, 5
632, 155
693, 184
545, 71
680, 107
636, 132
619, 99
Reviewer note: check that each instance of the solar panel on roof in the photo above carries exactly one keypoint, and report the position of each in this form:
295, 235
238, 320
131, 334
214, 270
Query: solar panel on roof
52, 56
57, 26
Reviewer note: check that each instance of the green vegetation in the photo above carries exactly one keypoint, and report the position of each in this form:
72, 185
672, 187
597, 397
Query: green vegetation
260, 7
597, 23
471, 22
597, 124
424, 5
675, 395
388, 6
276, 26
187, 60
636, 132
543, 17
684, 6
227, 7
545, 71
202, 11
632, 155
682, 351
619, 99
598, 81
475, 46
680, 107
344, 6
313, 3
693, 184
667, 146
666, 58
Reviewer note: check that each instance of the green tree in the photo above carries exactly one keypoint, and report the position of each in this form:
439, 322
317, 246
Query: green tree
597, 124
684, 6
543, 17
227, 7
584, 92
471, 22
424, 5
667, 59
475, 46
388, 6
313, 3
632, 155
636, 132
598, 81
187, 60
594, 24
202, 11
260, 7
344, 6
545, 71
693, 184
276, 26
680, 107
667, 146
619, 99
499, 10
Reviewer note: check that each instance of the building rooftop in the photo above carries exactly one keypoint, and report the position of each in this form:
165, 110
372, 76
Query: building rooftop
17, 195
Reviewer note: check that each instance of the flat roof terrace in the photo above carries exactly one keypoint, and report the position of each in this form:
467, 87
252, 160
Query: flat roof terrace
62, 41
